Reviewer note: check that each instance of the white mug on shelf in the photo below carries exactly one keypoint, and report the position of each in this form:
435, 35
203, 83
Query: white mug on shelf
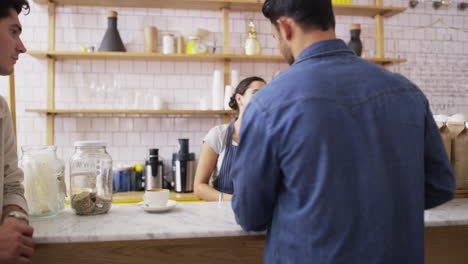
140, 101
158, 103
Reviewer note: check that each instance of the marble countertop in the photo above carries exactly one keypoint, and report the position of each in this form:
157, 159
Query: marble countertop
130, 222
452, 213
187, 220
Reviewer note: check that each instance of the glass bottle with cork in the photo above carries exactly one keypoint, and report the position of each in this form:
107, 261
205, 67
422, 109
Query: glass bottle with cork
252, 45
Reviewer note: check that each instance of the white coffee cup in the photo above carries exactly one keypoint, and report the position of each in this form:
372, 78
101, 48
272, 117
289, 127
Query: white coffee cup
156, 197
158, 103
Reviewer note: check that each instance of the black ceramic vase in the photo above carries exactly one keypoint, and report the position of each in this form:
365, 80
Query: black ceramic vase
355, 43
112, 40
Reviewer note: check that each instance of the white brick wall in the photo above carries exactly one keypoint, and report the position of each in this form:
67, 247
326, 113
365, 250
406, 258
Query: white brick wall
438, 59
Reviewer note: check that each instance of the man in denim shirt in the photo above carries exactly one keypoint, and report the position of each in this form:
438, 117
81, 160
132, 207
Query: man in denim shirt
338, 158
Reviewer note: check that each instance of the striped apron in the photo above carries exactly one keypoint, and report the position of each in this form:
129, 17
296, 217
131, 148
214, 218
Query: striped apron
224, 181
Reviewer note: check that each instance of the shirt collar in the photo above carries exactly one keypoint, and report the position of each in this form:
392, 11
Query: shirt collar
324, 48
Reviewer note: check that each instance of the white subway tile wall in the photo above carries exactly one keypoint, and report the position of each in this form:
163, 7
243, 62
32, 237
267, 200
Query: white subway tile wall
437, 63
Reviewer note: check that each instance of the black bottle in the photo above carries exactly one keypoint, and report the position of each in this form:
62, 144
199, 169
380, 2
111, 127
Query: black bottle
355, 43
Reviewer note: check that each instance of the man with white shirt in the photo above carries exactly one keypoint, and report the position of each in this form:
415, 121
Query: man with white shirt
16, 242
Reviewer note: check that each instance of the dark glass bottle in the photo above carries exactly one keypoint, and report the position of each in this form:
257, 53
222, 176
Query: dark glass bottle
112, 40
355, 43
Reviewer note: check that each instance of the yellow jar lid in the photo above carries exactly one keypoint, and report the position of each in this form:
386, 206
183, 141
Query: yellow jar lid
139, 168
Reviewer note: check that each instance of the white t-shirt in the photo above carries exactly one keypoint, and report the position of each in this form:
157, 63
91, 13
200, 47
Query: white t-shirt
216, 139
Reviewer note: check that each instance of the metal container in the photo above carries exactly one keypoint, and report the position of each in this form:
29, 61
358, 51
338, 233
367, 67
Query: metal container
184, 175
154, 171
183, 168
154, 176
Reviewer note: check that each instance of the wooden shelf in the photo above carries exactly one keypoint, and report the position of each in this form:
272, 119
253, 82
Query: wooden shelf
237, 5
72, 55
132, 112
77, 55
369, 11
385, 60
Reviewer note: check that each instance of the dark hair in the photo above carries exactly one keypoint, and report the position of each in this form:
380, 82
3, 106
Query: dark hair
309, 14
243, 86
17, 5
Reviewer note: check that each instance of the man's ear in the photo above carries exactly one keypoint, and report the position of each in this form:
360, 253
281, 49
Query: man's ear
285, 27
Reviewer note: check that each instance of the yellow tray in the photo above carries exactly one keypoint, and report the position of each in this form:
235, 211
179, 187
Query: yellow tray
136, 197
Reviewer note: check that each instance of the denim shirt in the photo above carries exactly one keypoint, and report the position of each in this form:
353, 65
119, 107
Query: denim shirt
338, 158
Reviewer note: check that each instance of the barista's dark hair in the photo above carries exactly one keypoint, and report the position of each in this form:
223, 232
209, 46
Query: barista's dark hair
17, 5
243, 86
309, 14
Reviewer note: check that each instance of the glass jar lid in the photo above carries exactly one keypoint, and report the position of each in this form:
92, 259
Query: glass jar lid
38, 147
90, 143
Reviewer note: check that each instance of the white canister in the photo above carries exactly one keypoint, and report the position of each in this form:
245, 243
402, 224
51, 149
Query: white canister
168, 44
234, 79
218, 91
227, 97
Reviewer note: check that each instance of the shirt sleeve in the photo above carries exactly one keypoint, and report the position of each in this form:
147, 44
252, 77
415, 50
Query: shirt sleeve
439, 177
256, 173
215, 138
13, 191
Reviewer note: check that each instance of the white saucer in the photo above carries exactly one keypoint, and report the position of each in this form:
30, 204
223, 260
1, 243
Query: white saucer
171, 204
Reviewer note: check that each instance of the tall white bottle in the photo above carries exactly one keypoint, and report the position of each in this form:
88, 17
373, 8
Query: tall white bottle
227, 97
234, 79
218, 90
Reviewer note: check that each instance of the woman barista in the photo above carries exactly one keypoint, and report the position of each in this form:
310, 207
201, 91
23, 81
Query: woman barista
213, 181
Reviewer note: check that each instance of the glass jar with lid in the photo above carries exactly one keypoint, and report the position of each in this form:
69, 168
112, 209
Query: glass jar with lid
90, 178
44, 180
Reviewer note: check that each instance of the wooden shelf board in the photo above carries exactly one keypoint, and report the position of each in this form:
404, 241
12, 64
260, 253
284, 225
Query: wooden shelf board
237, 5
385, 60
76, 55
363, 10
162, 112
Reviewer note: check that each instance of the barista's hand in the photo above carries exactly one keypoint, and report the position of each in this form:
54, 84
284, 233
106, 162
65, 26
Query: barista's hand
16, 243
13, 221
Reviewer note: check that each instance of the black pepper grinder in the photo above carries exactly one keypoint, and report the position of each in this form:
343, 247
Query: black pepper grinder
112, 40
355, 43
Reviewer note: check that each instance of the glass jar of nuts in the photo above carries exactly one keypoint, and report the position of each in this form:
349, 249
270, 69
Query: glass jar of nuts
90, 179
